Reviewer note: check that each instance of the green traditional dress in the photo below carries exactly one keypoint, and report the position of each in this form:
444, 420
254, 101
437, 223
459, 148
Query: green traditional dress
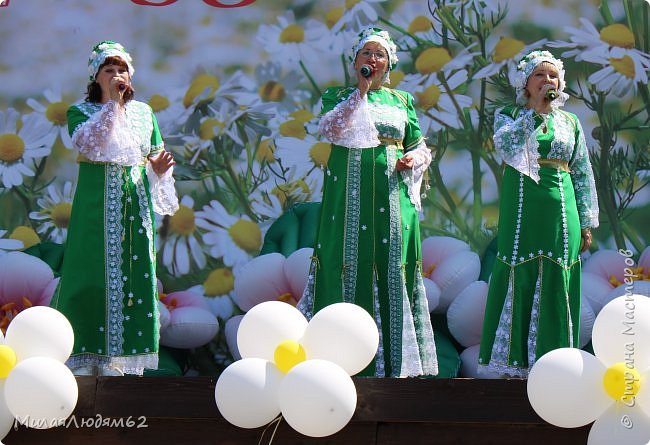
108, 287
547, 195
367, 249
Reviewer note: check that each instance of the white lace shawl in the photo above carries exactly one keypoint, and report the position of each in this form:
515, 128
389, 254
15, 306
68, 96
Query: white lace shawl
108, 136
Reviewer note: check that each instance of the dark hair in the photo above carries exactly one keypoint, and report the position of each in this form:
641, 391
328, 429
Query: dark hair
94, 91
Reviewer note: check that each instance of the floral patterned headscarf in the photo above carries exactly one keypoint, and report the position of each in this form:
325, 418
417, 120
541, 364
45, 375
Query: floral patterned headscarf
526, 67
104, 49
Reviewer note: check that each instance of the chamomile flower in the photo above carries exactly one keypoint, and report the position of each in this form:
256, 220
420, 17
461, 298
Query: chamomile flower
289, 42
415, 18
236, 239
217, 290
435, 60
292, 188
55, 111
20, 149
506, 51
359, 14
304, 154
169, 110
56, 207
178, 244
613, 47
8, 244
435, 103
281, 88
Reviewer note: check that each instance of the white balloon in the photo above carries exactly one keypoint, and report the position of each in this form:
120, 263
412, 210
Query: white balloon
296, 269
620, 425
469, 365
247, 392
41, 392
587, 320
455, 274
622, 332
40, 331
266, 325
565, 388
465, 314
433, 293
342, 333
190, 327
6, 418
232, 326
317, 398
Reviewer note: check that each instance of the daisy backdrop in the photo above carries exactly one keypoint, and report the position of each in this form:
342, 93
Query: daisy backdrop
236, 84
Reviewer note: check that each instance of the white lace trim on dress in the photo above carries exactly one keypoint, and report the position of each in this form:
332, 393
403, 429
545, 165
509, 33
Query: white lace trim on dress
349, 124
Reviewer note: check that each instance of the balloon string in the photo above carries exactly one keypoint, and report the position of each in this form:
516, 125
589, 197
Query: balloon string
277, 422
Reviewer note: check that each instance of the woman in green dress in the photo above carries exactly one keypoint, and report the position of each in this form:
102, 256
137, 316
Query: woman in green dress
108, 287
548, 205
367, 249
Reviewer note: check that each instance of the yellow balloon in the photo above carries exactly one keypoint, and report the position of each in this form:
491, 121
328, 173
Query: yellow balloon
621, 382
7, 360
288, 354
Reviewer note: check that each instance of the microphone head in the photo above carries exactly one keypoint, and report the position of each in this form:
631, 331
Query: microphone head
121, 87
366, 70
552, 94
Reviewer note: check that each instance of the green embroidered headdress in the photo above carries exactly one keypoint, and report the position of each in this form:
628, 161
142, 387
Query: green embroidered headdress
526, 67
104, 49
380, 36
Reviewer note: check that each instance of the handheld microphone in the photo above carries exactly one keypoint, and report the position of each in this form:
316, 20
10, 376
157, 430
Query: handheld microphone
552, 94
366, 71
121, 87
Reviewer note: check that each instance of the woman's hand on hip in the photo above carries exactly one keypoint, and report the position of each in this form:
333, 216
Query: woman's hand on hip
406, 162
585, 235
163, 162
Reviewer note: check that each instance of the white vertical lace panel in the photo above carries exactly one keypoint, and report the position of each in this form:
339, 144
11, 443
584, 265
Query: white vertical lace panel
413, 177
380, 365
351, 228
534, 318
163, 191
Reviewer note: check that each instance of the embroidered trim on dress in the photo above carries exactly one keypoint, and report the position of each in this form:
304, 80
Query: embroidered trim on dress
351, 228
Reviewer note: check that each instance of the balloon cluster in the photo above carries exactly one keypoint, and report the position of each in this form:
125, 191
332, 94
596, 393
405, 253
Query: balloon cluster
297, 368
36, 387
570, 387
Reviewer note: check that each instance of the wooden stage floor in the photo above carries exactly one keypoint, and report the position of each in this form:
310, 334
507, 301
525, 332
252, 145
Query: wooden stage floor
389, 411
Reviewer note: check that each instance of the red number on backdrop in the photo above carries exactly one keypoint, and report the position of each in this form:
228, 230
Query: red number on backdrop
218, 4
149, 3
4, 3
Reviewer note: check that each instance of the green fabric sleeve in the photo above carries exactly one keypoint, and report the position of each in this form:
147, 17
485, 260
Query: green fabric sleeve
412, 132
157, 143
75, 119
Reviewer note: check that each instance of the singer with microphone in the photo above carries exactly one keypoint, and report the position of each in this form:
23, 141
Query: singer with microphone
367, 249
108, 287
548, 206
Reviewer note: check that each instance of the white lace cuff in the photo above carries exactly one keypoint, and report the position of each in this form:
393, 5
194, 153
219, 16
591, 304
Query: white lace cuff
349, 124
163, 192
413, 177
105, 137
516, 143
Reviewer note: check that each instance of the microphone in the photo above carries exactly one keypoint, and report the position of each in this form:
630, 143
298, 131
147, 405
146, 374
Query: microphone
121, 87
366, 71
552, 94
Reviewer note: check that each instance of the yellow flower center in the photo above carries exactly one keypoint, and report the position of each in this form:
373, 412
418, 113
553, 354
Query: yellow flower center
247, 235
206, 129
219, 282
333, 15
395, 78
25, 234
265, 151
284, 191
60, 214
198, 85
621, 383
624, 65
293, 129
431, 60
12, 147
57, 113
429, 271
286, 297
272, 91
302, 115
507, 48
350, 3
419, 24
182, 222
429, 97
288, 354
158, 102
292, 34
320, 153
617, 35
